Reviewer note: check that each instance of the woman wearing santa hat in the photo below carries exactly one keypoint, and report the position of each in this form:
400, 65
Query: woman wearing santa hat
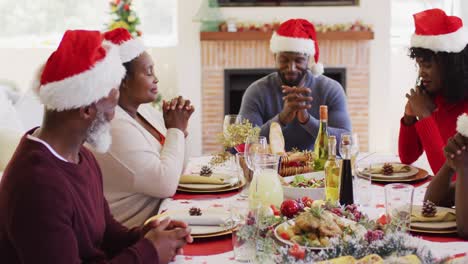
439, 46
148, 151
442, 190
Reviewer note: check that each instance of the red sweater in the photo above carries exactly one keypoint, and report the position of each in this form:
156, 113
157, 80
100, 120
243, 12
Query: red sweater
430, 134
52, 211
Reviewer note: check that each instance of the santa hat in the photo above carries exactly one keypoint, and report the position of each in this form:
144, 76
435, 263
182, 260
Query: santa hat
462, 125
130, 48
80, 72
438, 32
297, 35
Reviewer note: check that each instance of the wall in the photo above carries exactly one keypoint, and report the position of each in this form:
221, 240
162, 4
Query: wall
179, 67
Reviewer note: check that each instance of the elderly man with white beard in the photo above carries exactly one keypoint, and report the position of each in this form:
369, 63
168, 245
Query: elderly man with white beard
52, 206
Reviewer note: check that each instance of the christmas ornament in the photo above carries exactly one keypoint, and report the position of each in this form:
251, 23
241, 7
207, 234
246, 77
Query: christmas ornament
289, 208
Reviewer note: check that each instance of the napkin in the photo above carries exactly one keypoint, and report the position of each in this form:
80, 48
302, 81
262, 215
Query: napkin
397, 168
201, 220
439, 217
197, 179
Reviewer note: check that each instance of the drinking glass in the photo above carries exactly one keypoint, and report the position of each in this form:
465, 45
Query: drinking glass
244, 173
398, 205
254, 145
363, 183
243, 224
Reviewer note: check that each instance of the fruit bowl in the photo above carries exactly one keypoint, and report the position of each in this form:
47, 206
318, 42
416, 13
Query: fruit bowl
291, 192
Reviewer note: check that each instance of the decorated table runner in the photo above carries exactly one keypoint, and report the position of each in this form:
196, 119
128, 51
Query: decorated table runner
219, 249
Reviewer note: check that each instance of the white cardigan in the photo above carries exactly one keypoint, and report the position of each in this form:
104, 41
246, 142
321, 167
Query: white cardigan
137, 171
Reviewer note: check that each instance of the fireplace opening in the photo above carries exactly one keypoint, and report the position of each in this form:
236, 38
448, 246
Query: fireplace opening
236, 81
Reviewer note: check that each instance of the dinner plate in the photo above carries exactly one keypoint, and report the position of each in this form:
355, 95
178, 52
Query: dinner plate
397, 175
434, 226
211, 223
448, 231
230, 181
421, 175
213, 190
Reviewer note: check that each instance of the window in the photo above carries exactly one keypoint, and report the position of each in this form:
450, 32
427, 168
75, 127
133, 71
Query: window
402, 25
41, 23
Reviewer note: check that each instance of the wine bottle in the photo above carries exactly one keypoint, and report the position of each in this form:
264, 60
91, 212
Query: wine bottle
346, 183
321, 142
332, 172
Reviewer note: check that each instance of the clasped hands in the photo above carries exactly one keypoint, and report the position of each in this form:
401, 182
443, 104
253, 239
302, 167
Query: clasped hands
168, 237
177, 112
296, 102
420, 104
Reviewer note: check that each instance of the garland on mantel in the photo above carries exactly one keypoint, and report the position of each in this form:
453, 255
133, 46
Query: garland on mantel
270, 27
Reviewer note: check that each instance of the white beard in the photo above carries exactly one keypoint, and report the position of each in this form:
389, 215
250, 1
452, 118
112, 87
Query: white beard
99, 136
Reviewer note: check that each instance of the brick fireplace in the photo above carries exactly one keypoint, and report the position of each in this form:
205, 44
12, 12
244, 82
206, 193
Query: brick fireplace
250, 50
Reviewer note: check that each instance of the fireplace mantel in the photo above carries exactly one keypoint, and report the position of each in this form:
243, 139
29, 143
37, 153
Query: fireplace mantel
258, 35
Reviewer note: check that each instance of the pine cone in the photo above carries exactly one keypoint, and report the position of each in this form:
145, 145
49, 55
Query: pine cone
206, 171
429, 209
387, 169
195, 211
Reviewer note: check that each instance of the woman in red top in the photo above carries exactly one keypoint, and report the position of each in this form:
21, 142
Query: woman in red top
439, 47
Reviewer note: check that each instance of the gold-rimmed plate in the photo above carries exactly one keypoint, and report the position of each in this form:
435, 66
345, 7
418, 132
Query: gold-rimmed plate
440, 226
412, 171
211, 223
213, 190
421, 175
448, 231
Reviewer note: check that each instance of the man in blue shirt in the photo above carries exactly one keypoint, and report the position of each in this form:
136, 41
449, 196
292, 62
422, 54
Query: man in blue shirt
292, 96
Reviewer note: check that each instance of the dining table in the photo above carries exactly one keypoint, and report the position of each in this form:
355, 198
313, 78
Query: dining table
220, 249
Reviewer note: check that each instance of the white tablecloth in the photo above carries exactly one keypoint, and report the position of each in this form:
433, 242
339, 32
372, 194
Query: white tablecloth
374, 210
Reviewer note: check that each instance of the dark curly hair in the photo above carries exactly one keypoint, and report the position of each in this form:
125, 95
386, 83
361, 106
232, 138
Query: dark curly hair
454, 70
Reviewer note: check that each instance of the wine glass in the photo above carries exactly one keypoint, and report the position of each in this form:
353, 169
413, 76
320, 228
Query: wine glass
346, 143
230, 120
354, 150
254, 145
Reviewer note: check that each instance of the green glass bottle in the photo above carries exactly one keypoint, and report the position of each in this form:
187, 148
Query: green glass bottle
332, 173
321, 142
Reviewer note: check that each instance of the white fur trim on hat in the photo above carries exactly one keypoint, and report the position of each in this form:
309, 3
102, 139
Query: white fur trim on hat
452, 42
317, 69
279, 44
462, 125
87, 87
131, 49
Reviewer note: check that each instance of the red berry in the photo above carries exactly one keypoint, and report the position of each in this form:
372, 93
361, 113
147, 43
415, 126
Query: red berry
297, 252
289, 208
337, 211
126, 7
307, 201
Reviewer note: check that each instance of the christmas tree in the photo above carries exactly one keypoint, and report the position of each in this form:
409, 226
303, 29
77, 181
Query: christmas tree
123, 16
